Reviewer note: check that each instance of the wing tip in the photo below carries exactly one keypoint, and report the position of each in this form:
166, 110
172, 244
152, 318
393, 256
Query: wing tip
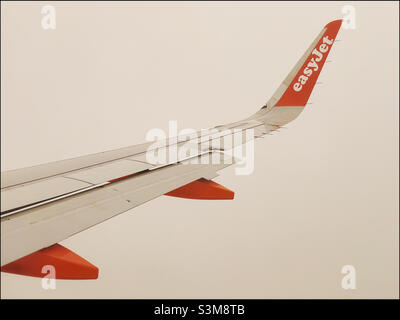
334, 24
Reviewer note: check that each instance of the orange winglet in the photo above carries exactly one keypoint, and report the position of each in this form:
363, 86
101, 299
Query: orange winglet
67, 264
202, 189
299, 90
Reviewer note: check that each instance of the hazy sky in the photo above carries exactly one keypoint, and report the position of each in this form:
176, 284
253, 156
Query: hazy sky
324, 192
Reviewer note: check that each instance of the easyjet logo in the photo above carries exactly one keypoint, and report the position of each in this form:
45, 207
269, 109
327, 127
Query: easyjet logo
312, 66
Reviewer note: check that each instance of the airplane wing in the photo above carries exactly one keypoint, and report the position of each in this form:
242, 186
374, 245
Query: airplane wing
45, 204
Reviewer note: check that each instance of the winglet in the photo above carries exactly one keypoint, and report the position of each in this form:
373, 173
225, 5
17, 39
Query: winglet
298, 85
